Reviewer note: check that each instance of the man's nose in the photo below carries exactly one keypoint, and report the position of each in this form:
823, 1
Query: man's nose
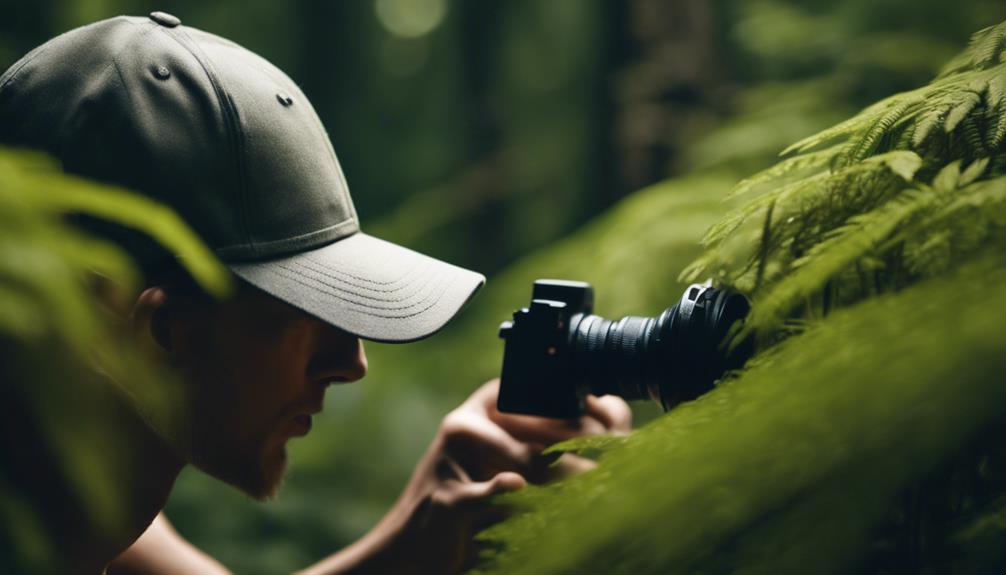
340, 359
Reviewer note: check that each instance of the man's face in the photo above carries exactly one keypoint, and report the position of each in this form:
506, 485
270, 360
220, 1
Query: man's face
256, 369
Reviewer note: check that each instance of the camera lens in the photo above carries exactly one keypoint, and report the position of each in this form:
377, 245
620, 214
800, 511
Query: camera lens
670, 358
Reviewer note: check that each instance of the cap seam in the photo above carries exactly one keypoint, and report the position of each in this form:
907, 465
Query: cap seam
323, 133
232, 125
11, 73
229, 249
14, 70
113, 65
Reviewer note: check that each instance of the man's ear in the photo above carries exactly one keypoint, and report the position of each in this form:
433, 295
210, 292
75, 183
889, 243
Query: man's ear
149, 315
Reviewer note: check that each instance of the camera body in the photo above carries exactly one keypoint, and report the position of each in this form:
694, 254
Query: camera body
556, 351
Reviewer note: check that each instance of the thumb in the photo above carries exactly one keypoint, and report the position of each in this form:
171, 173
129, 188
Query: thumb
502, 482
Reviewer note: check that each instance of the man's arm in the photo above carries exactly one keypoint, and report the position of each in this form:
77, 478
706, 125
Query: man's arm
161, 550
478, 452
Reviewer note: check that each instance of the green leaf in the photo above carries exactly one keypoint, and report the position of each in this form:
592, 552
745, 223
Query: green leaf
973, 172
947, 178
66, 194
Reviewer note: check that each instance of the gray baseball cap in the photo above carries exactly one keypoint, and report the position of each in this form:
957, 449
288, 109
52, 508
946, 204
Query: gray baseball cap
230, 142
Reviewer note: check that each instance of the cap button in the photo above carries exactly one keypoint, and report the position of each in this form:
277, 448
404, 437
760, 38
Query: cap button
165, 19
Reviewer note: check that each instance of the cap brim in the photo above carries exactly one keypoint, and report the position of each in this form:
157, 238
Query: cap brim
368, 287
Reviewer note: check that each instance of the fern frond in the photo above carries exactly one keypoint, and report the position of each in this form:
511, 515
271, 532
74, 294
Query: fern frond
973, 135
995, 92
995, 110
967, 102
997, 133
973, 172
838, 251
946, 179
979, 195
736, 218
794, 165
986, 45
866, 144
68, 194
924, 126
855, 124
901, 162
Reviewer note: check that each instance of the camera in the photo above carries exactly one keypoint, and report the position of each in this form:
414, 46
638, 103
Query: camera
556, 351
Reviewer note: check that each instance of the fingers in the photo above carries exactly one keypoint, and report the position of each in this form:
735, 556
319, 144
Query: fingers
612, 411
470, 500
483, 448
481, 441
545, 430
606, 414
502, 482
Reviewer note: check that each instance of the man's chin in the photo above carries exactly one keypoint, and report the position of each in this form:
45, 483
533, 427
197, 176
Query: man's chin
272, 472
258, 477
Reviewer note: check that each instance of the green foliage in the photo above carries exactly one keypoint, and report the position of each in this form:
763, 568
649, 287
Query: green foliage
61, 354
883, 206
791, 463
874, 258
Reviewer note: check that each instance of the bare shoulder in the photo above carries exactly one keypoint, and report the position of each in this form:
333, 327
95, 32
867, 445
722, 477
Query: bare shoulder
162, 550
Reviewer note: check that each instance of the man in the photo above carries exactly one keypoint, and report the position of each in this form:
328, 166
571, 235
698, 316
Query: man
228, 141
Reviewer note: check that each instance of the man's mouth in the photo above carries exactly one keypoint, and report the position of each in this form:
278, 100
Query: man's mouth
301, 424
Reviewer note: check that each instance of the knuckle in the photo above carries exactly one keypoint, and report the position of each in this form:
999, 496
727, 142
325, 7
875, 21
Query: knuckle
445, 498
623, 413
456, 424
618, 412
459, 430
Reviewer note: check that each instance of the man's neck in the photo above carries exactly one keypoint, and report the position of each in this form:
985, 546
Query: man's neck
142, 469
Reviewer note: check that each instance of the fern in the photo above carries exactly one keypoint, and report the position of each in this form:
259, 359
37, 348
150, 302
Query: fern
836, 209
987, 45
864, 145
841, 248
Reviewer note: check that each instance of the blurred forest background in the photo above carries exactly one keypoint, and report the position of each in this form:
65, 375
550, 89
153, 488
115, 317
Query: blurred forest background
592, 140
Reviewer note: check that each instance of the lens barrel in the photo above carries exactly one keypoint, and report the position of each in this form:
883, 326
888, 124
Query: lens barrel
671, 358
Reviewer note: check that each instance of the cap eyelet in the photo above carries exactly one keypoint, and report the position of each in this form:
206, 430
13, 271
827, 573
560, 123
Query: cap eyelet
161, 72
284, 99
165, 19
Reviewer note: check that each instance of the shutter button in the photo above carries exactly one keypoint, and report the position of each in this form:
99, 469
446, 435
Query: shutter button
165, 19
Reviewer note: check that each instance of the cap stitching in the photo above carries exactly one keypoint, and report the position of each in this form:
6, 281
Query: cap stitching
359, 270
429, 280
232, 122
325, 269
358, 277
360, 305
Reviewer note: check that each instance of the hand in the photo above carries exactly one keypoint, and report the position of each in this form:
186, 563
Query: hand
479, 452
